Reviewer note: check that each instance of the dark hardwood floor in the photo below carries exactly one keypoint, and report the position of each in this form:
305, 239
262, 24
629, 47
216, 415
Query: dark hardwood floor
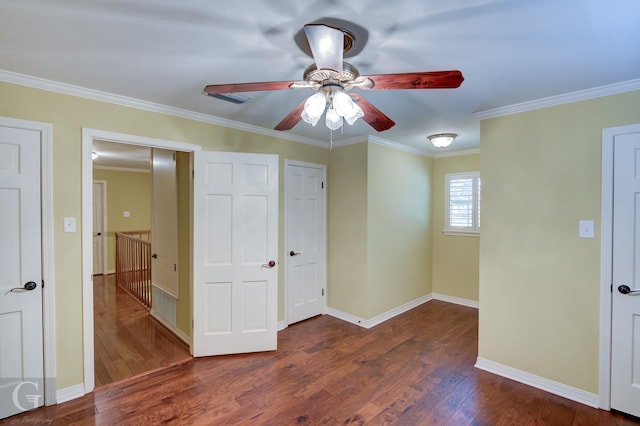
127, 340
415, 369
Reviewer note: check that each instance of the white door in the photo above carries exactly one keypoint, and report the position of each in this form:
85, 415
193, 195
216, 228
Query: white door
625, 333
164, 223
21, 344
99, 227
305, 240
235, 275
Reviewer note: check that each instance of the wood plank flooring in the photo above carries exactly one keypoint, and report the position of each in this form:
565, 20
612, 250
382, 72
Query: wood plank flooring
415, 369
127, 340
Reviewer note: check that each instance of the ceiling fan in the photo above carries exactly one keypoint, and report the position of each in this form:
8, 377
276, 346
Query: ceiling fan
331, 78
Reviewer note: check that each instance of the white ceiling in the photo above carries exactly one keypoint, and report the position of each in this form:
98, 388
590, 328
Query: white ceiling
166, 51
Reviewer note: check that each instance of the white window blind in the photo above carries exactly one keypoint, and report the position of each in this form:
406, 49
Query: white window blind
462, 203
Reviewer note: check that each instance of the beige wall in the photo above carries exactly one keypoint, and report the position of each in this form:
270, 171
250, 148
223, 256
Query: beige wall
126, 191
347, 230
379, 229
68, 115
398, 228
456, 258
539, 282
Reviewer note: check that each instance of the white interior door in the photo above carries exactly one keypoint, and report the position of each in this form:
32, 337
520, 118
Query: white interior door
164, 223
21, 328
625, 332
235, 278
305, 240
99, 226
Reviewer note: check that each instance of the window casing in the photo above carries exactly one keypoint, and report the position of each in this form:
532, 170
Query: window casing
462, 203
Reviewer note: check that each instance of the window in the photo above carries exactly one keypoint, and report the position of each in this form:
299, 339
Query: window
462, 203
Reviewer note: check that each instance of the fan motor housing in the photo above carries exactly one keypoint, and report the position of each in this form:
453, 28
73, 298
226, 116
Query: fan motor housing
349, 72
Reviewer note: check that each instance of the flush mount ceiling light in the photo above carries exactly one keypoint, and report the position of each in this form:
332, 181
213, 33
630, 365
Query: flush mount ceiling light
442, 140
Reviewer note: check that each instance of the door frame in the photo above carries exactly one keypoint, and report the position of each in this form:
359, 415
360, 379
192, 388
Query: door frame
46, 212
88, 136
323, 231
105, 260
606, 260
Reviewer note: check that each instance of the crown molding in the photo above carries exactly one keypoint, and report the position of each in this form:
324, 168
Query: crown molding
581, 95
390, 144
381, 141
97, 95
350, 141
457, 153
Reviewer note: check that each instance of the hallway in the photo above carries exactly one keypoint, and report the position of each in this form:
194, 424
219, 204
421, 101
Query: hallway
128, 341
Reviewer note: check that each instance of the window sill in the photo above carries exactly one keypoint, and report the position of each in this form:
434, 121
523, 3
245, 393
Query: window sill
462, 233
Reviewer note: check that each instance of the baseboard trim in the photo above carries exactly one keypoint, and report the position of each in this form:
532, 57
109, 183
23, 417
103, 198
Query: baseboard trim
379, 319
457, 300
175, 330
560, 389
72, 392
281, 325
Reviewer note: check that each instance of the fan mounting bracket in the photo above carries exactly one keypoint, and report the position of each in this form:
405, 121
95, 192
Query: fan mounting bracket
349, 40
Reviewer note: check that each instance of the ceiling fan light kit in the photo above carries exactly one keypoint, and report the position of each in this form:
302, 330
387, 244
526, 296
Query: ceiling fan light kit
331, 78
313, 108
442, 140
340, 106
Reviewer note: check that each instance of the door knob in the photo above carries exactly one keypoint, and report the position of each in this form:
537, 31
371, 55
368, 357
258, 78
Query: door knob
28, 286
625, 289
293, 253
271, 264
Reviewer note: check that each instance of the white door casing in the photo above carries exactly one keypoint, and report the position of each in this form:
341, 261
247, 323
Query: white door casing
305, 236
625, 326
21, 294
235, 277
164, 223
99, 227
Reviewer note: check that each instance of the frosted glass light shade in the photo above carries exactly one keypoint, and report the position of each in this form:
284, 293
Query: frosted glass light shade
333, 120
342, 103
354, 113
442, 140
313, 108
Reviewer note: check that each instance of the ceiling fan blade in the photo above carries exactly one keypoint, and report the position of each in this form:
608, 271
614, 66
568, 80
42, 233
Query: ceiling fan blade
418, 80
327, 44
214, 89
372, 115
292, 118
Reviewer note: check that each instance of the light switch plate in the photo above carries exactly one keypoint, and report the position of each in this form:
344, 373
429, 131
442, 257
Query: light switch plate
126, 214
69, 224
586, 229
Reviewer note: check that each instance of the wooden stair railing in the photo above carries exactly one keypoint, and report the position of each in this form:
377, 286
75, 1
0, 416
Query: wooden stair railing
133, 264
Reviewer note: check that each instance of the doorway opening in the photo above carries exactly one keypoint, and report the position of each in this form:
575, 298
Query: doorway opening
90, 334
128, 340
